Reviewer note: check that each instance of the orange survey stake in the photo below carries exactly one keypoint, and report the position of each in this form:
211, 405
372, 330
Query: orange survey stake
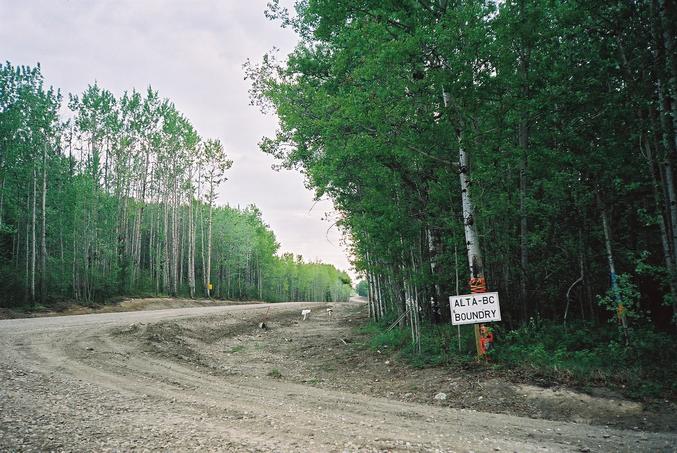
486, 340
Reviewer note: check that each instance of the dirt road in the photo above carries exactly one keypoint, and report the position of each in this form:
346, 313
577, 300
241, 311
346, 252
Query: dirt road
208, 379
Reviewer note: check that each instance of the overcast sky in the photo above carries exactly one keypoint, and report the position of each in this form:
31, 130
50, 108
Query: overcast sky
192, 52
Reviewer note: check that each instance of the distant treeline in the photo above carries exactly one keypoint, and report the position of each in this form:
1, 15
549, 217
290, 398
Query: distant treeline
538, 138
120, 199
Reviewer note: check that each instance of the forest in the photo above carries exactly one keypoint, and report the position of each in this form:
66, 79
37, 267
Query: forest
104, 196
526, 144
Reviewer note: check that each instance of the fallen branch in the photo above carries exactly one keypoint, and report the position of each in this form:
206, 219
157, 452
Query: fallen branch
398, 320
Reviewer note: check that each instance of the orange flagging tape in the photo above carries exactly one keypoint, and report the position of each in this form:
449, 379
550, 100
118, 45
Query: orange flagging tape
478, 285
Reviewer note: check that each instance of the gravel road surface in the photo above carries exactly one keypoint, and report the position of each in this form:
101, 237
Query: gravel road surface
90, 383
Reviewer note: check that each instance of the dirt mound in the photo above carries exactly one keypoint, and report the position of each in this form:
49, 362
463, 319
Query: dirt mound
329, 353
6, 313
577, 406
122, 305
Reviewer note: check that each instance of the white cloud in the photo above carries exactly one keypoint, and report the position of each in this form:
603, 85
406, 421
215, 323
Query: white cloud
191, 51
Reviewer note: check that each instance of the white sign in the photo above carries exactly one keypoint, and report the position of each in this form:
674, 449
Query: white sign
474, 308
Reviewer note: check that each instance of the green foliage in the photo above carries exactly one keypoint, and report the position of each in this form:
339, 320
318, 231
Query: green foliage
584, 354
129, 189
394, 339
556, 105
577, 355
439, 343
624, 292
362, 288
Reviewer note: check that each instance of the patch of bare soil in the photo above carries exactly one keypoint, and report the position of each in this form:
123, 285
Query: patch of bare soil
210, 379
327, 353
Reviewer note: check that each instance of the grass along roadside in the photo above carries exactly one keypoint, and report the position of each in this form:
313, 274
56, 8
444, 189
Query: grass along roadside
581, 356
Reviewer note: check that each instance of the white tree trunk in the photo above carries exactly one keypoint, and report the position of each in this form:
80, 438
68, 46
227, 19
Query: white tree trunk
165, 257
43, 233
33, 242
191, 250
668, 256
612, 270
470, 229
209, 249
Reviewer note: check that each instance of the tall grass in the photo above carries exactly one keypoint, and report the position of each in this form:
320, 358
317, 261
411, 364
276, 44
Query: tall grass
580, 354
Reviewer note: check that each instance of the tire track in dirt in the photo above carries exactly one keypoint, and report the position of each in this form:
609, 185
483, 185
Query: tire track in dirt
91, 383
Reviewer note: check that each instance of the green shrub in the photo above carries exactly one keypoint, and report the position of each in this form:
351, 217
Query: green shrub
580, 354
395, 339
275, 373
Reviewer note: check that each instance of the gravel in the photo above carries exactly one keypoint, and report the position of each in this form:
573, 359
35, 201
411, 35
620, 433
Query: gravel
196, 379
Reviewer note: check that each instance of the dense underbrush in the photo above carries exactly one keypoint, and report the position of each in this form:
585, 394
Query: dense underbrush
580, 355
